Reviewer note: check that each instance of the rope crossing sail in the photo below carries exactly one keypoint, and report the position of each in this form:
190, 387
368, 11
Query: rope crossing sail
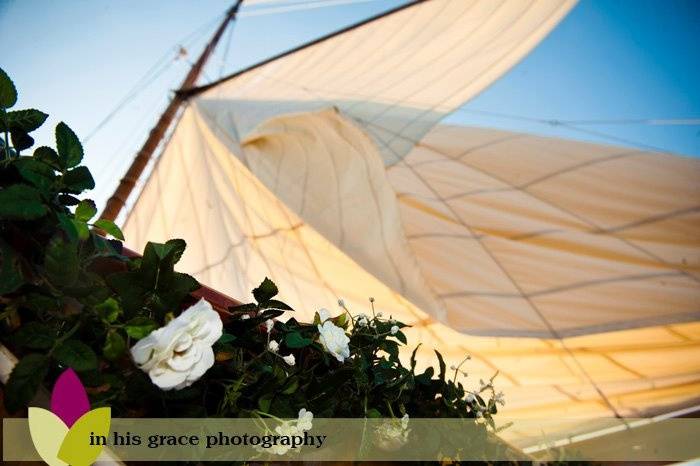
116, 203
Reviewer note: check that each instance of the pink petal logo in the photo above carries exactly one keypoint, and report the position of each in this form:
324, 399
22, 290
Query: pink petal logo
69, 401
62, 436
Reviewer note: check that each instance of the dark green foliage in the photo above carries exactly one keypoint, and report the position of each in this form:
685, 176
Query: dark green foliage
72, 295
66, 291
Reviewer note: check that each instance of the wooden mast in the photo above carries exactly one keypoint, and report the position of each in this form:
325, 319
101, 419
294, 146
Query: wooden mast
116, 203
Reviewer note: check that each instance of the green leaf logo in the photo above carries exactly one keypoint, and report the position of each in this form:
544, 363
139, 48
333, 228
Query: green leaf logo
76, 448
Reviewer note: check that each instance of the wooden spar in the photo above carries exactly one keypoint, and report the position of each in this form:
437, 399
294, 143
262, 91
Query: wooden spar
198, 90
116, 203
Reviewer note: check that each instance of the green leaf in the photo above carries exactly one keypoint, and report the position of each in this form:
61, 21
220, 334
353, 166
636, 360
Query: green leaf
21, 202
70, 151
10, 272
265, 291
413, 357
226, 338
401, 337
85, 210
110, 228
8, 93
34, 335
140, 327
291, 386
67, 225
78, 180
36, 172
275, 304
171, 250
114, 345
295, 340
76, 354
61, 261
25, 380
47, 155
443, 367
264, 402
25, 120
373, 413
21, 140
82, 229
109, 310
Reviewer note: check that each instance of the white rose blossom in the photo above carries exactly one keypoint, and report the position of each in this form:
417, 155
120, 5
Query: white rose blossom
304, 421
289, 428
324, 314
177, 355
289, 359
273, 346
334, 340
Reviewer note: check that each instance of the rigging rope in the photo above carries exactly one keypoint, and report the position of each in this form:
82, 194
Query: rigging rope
159, 67
573, 125
300, 7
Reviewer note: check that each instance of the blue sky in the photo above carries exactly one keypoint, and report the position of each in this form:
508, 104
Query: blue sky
608, 60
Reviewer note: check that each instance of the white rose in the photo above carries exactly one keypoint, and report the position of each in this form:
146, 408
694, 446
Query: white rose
177, 355
289, 359
334, 339
273, 346
324, 314
304, 421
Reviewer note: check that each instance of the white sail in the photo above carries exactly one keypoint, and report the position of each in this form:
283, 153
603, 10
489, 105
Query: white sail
570, 268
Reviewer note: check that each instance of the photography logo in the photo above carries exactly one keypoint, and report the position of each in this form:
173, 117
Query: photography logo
64, 435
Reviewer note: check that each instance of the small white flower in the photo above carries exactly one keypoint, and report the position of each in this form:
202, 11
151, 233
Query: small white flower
371, 299
392, 321
453, 367
483, 385
479, 414
304, 421
289, 359
392, 434
273, 346
373, 324
324, 314
245, 317
177, 355
394, 330
379, 314
362, 321
499, 398
268, 325
334, 340
341, 303
471, 398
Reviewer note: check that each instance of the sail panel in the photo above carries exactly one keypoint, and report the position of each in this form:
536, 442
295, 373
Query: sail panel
634, 340
396, 76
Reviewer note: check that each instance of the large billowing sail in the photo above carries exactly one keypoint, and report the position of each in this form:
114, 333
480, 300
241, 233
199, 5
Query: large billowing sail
571, 268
